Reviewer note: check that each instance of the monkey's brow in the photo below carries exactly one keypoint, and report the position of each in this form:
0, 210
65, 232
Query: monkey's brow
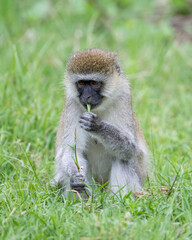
98, 77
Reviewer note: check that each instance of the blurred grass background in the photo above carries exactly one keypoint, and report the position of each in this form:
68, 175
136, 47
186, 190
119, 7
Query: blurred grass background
153, 41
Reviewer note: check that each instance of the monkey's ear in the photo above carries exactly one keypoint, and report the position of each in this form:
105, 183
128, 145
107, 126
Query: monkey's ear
117, 63
118, 68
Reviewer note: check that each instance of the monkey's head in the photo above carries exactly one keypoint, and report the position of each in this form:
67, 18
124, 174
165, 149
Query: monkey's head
93, 76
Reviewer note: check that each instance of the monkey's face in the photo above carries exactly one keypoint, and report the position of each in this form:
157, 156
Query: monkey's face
89, 92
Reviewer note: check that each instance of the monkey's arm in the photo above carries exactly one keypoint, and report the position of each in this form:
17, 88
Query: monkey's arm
67, 173
110, 135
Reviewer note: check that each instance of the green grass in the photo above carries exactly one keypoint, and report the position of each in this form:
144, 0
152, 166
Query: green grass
36, 38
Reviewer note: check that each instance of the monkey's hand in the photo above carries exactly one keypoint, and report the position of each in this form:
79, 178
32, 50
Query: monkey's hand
90, 122
77, 182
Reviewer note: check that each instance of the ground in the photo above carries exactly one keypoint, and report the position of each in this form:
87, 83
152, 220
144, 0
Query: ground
35, 41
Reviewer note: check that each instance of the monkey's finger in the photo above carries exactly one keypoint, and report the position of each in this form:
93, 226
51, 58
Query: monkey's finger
85, 121
90, 124
86, 118
79, 175
88, 115
80, 180
87, 128
76, 183
77, 180
78, 189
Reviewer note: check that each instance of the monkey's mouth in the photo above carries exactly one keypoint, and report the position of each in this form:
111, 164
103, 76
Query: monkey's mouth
92, 106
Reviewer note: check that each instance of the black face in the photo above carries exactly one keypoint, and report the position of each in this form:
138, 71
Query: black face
89, 92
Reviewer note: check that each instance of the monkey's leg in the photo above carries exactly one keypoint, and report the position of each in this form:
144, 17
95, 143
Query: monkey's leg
123, 176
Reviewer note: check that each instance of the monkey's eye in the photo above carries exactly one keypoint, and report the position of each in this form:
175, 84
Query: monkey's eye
95, 84
81, 83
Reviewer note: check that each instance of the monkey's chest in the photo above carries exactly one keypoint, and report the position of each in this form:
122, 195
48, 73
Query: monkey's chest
99, 161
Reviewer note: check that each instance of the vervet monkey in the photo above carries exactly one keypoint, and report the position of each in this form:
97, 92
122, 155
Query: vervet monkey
110, 144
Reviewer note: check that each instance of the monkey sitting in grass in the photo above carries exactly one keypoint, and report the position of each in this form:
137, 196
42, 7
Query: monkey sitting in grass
110, 145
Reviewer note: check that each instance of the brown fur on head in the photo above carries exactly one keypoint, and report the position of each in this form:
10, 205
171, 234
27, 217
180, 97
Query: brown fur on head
93, 61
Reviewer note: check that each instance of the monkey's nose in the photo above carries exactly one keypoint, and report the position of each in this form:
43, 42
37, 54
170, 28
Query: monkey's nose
89, 99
